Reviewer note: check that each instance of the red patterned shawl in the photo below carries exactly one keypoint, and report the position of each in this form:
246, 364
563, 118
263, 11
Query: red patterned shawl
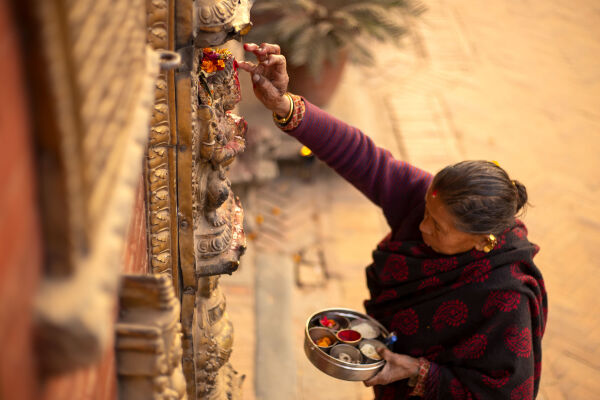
479, 318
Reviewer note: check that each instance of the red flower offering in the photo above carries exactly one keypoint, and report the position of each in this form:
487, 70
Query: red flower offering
328, 323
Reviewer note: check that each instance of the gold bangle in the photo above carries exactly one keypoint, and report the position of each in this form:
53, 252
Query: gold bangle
284, 121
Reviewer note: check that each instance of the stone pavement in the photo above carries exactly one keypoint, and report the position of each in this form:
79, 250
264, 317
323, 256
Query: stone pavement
514, 82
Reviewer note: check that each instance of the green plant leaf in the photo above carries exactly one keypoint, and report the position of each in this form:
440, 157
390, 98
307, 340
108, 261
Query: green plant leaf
375, 21
311, 31
299, 46
360, 54
349, 21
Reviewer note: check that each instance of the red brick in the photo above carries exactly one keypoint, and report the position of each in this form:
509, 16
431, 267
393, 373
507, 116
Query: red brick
19, 226
135, 257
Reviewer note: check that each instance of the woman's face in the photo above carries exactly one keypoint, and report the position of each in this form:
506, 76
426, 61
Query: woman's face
439, 231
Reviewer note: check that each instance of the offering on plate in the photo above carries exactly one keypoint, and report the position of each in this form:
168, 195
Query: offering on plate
349, 336
322, 337
346, 358
365, 328
343, 343
328, 323
346, 353
370, 351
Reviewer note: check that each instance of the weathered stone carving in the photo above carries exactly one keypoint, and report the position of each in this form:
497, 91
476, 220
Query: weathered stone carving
210, 233
216, 21
149, 340
218, 235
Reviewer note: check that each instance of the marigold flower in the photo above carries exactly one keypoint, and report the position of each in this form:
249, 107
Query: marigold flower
208, 66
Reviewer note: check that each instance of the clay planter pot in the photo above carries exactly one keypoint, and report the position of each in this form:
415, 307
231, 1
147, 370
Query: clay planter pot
318, 92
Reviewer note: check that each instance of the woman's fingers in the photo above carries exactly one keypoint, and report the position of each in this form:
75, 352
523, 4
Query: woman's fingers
255, 70
250, 46
376, 380
258, 51
269, 91
263, 51
385, 353
269, 48
276, 60
247, 66
269, 75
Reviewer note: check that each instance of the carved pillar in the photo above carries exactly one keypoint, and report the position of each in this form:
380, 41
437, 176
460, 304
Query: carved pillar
149, 340
210, 232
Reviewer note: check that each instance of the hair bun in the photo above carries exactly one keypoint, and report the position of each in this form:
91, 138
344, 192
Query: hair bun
521, 194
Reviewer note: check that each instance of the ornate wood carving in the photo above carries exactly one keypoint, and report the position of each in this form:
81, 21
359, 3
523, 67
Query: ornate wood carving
93, 77
161, 166
219, 138
149, 340
211, 239
217, 21
218, 235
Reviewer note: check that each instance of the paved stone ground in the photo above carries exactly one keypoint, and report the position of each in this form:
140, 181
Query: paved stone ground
514, 82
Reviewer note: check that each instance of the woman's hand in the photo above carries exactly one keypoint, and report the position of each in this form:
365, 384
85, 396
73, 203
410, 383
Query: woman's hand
269, 76
397, 367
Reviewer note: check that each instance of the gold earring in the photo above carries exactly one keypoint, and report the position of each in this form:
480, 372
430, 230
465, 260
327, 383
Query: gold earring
491, 243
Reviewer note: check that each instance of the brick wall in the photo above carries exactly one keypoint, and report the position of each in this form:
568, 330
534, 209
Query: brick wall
99, 381
135, 257
94, 383
20, 247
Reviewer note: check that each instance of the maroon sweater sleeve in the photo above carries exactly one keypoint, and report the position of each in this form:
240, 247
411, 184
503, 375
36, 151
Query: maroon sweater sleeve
396, 186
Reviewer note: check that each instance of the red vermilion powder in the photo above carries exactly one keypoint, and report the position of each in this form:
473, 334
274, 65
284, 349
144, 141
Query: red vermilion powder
348, 335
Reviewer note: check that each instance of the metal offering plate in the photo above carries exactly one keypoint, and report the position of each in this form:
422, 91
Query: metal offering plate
349, 363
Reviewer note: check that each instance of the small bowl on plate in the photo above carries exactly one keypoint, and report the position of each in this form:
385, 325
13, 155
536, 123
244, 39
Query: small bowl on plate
348, 336
346, 353
369, 347
366, 328
333, 321
318, 334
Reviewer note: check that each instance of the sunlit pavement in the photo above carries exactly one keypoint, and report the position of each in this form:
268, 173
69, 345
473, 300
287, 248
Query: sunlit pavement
518, 83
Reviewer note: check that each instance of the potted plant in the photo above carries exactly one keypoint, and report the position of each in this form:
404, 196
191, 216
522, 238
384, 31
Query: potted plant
318, 36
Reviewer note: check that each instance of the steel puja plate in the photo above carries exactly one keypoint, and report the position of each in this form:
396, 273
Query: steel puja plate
360, 368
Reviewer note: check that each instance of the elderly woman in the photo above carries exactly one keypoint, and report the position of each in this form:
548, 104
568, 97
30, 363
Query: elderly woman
454, 278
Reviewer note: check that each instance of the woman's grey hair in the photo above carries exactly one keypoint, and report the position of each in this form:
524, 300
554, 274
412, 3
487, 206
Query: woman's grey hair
480, 195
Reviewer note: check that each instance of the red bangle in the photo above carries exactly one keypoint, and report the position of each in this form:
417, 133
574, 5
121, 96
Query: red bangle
421, 377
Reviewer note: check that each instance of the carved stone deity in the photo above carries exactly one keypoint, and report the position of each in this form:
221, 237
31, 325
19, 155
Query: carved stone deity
218, 234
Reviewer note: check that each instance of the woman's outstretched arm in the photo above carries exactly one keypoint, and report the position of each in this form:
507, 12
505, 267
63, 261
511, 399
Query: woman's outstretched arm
396, 186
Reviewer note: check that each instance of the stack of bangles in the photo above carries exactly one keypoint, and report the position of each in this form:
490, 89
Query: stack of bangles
294, 116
